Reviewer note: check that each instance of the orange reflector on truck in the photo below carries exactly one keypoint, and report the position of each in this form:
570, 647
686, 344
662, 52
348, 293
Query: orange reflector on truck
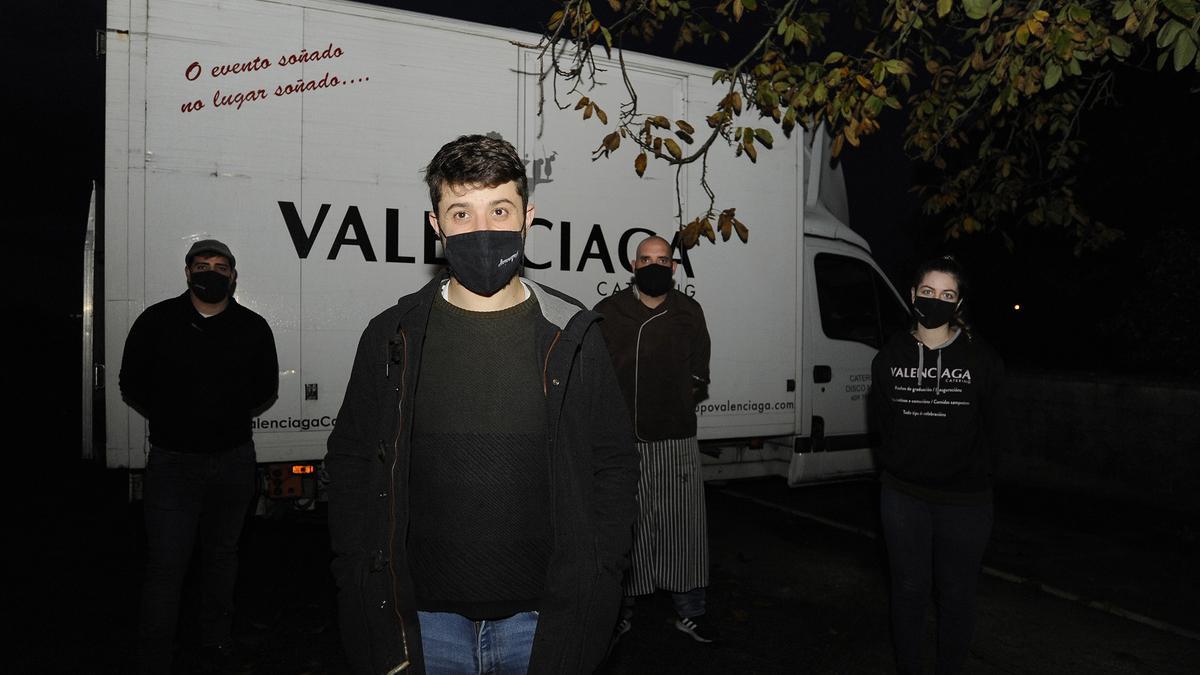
302, 468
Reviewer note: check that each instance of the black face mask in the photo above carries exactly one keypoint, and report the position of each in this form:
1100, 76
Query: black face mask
932, 312
485, 260
210, 286
654, 280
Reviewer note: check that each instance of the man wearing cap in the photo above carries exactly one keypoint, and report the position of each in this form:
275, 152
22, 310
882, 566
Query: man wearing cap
198, 366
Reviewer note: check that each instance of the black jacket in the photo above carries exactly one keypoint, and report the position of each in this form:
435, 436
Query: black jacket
593, 474
661, 358
199, 380
938, 412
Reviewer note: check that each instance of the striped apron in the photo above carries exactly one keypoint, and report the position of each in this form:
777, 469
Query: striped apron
670, 538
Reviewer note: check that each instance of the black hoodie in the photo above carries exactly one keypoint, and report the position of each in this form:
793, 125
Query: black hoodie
938, 413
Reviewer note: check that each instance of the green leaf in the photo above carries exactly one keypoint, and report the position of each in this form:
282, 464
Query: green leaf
1073, 67
1168, 33
1122, 10
1184, 9
976, 9
1053, 75
943, 7
764, 137
833, 57
1118, 46
1185, 50
750, 4
1162, 59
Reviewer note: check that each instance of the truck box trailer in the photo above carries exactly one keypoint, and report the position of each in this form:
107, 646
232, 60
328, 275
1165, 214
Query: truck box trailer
296, 131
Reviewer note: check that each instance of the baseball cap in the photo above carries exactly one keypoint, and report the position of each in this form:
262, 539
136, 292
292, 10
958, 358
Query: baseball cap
209, 247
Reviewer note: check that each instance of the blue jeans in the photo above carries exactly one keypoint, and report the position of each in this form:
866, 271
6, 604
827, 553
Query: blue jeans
454, 644
190, 496
938, 548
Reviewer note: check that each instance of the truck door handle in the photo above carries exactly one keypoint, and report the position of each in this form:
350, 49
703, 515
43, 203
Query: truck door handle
822, 374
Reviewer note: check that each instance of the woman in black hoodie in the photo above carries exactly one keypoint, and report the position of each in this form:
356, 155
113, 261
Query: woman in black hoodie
936, 396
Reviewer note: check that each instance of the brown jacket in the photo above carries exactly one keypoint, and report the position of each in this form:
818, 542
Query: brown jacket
661, 358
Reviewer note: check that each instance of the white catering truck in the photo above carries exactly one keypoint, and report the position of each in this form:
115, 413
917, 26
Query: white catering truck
296, 131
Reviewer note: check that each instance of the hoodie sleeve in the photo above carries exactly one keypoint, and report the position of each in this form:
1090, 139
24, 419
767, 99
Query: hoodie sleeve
265, 380
137, 365
879, 409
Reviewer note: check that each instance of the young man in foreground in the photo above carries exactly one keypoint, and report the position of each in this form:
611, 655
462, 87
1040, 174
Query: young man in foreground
482, 470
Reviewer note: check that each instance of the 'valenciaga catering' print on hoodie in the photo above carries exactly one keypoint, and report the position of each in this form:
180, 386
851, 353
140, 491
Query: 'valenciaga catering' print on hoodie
938, 413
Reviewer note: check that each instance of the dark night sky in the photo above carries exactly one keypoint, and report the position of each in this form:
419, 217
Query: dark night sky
1141, 176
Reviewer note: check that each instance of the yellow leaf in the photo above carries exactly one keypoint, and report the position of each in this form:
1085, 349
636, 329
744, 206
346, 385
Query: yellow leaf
583, 102
1022, 37
685, 127
601, 115
851, 134
743, 232
943, 7
673, 148
724, 226
691, 234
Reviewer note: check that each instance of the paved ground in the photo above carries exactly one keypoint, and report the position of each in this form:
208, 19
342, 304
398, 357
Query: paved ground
789, 594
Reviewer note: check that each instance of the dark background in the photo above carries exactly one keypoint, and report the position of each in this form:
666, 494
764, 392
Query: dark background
1128, 310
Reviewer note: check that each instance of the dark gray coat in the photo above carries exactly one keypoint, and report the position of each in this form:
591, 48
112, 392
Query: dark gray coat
593, 474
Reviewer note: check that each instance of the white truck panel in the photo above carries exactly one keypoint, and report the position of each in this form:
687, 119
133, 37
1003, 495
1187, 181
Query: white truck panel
319, 193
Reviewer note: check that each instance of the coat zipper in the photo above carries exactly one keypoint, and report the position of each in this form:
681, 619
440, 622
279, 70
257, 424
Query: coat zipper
637, 362
546, 363
392, 506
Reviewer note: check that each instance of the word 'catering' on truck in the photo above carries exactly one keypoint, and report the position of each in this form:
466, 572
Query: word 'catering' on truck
295, 131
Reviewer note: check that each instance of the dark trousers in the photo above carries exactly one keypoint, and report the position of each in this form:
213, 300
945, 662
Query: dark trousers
938, 548
190, 497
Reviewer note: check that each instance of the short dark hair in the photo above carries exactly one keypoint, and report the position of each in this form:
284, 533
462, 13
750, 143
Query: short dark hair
476, 161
